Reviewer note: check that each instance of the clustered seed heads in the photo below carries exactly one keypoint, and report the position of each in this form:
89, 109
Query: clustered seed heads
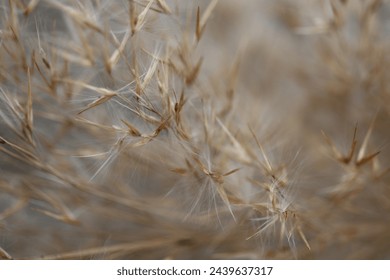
167, 129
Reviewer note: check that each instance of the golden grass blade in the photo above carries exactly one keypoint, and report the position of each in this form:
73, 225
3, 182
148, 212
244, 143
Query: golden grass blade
363, 148
97, 102
4, 255
163, 5
142, 16
13, 209
30, 7
133, 131
240, 150
268, 165
124, 247
117, 53
193, 74
201, 23
28, 117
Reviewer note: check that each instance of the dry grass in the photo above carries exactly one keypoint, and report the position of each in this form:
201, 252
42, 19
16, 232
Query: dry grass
166, 129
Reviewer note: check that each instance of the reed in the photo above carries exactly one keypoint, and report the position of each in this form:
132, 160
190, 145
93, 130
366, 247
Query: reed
167, 129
